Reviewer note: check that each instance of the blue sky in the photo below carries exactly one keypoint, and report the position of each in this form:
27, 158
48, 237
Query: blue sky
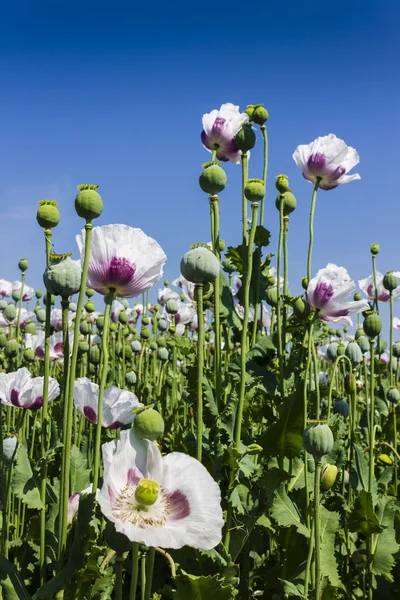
114, 94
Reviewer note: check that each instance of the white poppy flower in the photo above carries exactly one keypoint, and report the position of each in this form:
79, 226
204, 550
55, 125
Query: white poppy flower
5, 287
219, 130
123, 259
328, 159
26, 294
368, 287
169, 501
19, 389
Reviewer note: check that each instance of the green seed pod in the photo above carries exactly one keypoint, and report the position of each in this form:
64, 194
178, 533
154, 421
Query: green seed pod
304, 283
30, 328
9, 450
136, 346
318, 440
90, 307
146, 493
62, 276
48, 215
88, 203
29, 355
41, 315
200, 266
385, 460
289, 203
341, 349
260, 114
372, 325
363, 342
341, 408
332, 351
350, 383
145, 320
254, 449
162, 354
130, 378
161, 342
374, 249
254, 190
213, 180
338, 333
282, 184
128, 352
72, 307
328, 477
23, 265
353, 352
3, 340
246, 138
228, 266
357, 296
271, 296
10, 312
301, 308
171, 307
3, 304
83, 347
144, 333
89, 292
396, 349
381, 346
149, 424
393, 395
11, 348
359, 333
100, 322
162, 324
310, 464
16, 295
85, 328
113, 327
153, 346
390, 281
95, 354
123, 317
52, 300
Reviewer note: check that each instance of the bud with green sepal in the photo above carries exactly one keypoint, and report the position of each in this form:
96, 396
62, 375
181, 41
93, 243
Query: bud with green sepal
396, 349
271, 295
328, 477
23, 265
350, 383
374, 249
301, 308
304, 283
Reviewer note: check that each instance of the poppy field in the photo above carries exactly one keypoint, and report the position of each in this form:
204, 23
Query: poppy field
224, 435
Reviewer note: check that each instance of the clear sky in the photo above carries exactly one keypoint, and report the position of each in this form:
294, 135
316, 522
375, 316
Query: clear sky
114, 93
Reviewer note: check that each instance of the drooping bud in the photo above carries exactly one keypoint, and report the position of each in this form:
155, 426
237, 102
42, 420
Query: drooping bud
146, 492
390, 281
304, 283
88, 203
254, 449
328, 477
350, 383
23, 265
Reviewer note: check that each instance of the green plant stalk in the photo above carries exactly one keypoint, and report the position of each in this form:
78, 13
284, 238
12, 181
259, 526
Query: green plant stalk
217, 318
200, 369
332, 381
391, 339
149, 572
285, 289
243, 343
135, 571
311, 228
317, 480
257, 274
119, 570
372, 417
143, 576
395, 450
265, 169
102, 386
7, 491
308, 563
316, 381
278, 301
70, 398
376, 305
45, 423
245, 175
305, 415
20, 306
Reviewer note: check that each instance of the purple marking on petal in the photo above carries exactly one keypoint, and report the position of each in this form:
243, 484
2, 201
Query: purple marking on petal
14, 397
134, 475
90, 415
383, 297
37, 404
337, 173
120, 271
322, 294
316, 163
39, 352
206, 141
58, 348
110, 493
371, 291
218, 127
177, 318
340, 312
116, 425
179, 506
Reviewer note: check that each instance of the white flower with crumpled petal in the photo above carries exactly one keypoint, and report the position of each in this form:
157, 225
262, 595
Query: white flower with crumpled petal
367, 285
219, 130
327, 159
187, 509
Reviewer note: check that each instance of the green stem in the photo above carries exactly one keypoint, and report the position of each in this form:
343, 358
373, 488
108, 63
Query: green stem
245, 171
265, 169
200, 368
278, 301
391, 340
135, 571
102, 386
372, 417
119, 570
243, 344
45, 423
149, 572
311, 229
70, 397
332, 381
317, 479
217, 319
20, 305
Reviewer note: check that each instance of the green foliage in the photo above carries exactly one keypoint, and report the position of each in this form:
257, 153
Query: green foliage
190, 587
25, 484
362, 517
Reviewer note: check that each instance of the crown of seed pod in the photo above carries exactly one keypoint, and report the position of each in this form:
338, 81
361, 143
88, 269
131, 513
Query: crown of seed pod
62, 276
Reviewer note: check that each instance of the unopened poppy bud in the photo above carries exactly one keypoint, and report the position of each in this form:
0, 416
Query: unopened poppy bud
271, 280
390, 281
38, 294
254, 190
374, 249
249, 110
282, 184
245, 138
385, 460
301, 308
350, 384
146, 492
259, 114
88, 203
372, 324
393, 395
328, 477
3, 340
271, 296
148, 424
221, 245
144, 333
90, 306
48, 215
23, 265
396, 349
123, 317
30, 328
357, 296
253, 449
304, 283
213, 179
